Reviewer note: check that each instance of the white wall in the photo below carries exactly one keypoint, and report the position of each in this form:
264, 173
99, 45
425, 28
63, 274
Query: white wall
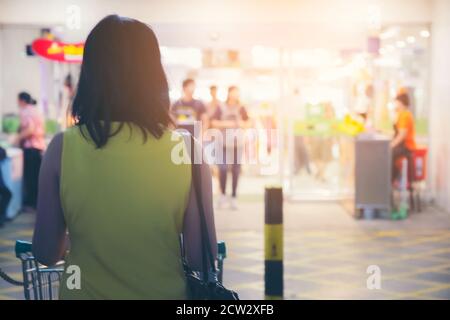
18, 72
440, 103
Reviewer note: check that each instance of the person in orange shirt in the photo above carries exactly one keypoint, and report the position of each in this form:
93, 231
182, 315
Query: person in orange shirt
404, 138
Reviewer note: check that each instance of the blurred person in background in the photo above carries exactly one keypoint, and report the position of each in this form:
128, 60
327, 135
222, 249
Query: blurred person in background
67, 98
214, 103
31, 138
228, 117
209, 144
187, 109
110, 180
69, 88
5, 193
404, 140
321, 145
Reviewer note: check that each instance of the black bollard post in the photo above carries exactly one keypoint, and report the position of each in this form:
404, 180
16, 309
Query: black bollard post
273, 243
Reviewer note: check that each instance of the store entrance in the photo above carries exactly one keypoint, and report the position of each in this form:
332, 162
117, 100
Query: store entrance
318, 145
297, 114
315, 99
321, 160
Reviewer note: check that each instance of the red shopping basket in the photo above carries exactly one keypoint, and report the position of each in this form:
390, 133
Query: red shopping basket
419, 163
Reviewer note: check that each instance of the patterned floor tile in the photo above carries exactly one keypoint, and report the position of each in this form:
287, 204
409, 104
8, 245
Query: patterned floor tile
434, 277
441, 294
402, 286
319, 262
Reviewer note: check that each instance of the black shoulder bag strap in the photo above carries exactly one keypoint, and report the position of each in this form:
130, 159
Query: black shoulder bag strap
207, 256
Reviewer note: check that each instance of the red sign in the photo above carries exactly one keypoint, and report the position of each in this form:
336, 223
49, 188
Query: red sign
58, 51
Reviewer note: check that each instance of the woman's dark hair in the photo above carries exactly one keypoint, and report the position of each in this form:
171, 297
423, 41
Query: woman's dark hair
121, 80
26, 97
403, 98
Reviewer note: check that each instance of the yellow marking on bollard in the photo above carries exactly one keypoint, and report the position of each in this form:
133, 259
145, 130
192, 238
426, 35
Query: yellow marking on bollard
273, 242
273, 298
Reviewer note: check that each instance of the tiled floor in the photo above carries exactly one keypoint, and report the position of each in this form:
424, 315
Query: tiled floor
326, 253
20, 228
333, 265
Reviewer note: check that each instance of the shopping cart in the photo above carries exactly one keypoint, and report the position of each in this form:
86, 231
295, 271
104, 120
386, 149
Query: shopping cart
42, 283
39, 282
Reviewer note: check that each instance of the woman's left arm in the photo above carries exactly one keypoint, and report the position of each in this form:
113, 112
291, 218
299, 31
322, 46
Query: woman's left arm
49, 239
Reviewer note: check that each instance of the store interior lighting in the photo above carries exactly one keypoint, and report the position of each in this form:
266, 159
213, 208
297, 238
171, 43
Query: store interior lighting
425, 33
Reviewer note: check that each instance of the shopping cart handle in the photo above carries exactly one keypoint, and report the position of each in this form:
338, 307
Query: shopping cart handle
221, 250
25, 247
22, 247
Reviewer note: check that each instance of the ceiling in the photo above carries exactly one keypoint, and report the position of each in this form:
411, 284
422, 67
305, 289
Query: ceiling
335, 24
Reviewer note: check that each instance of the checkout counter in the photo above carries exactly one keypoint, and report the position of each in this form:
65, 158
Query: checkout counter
371, 161
373, 187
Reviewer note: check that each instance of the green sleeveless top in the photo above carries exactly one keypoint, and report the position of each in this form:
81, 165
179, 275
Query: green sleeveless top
124, 207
